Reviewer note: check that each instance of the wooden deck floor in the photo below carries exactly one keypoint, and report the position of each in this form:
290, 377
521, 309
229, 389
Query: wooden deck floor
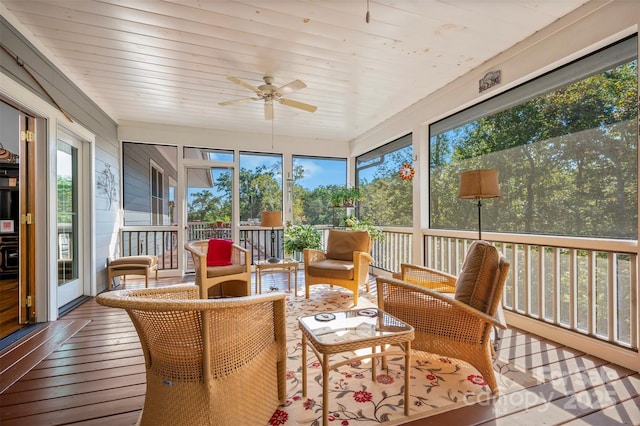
87, 368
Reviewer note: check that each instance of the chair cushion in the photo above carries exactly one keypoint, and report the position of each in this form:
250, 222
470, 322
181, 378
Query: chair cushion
218, 271
219, 252
342, 244
330, 268
135, 260
477, 281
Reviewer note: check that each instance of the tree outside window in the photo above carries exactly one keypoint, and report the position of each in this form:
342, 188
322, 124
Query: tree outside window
260, 185
314, 180
385, 198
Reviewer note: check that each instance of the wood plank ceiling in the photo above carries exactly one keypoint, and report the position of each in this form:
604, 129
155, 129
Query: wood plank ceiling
168, 61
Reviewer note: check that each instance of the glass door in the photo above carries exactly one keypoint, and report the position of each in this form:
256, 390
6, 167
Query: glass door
209, 205
70, 285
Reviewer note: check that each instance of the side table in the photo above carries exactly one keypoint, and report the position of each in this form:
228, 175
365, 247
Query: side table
334, 332
290, 265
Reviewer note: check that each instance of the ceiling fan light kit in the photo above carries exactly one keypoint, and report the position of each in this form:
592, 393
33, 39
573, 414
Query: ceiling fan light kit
269, 93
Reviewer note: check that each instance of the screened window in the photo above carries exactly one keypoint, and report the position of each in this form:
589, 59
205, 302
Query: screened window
260, 185
565, 147
314, 179
385, 198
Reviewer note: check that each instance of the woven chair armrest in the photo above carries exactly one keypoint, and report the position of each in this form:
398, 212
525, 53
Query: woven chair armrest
191, 247
182, 297
242, 249
239, 255
444, 298
123, 298
431, 278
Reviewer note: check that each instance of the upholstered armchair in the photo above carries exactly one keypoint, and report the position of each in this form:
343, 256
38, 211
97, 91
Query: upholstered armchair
208, 362
345, 263
458, 327
225, 277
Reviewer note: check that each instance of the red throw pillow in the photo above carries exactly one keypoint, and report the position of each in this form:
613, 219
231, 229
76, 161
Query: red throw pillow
219, 252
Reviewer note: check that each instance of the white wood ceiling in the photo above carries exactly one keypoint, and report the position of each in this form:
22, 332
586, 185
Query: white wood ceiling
168, 61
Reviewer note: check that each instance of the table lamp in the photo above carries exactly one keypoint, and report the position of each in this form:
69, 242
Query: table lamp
477, 185
272, 219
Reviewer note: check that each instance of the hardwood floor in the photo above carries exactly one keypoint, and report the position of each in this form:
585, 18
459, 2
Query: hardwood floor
88, 369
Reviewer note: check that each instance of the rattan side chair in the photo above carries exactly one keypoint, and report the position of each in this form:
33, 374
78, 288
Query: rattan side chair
208, 362
231, 280
458, 327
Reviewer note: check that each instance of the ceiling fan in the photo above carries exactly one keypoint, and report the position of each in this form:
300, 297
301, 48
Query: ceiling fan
270, 93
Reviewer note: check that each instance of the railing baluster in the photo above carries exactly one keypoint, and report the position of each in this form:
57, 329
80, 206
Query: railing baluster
556, 285
612, 311
633, 296
573, 290
541, 283
526, 279
591, 292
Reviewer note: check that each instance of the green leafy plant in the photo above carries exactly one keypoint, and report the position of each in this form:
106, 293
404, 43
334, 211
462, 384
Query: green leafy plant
299, 237
351, 196
363, 225
337, 197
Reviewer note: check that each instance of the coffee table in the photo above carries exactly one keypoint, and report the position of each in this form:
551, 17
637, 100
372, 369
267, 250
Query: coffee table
290, 265
330, 333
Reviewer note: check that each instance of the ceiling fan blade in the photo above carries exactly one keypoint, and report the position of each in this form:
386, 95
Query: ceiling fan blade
299, 105
244, 84
237, 101
291, 87
268, 110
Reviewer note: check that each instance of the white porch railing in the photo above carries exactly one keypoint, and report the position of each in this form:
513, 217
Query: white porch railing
396, 247
588, 286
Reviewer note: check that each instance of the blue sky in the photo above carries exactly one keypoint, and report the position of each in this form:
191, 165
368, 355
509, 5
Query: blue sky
321, 172
318, 171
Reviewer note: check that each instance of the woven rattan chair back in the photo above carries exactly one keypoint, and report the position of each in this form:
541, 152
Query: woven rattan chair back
208, 362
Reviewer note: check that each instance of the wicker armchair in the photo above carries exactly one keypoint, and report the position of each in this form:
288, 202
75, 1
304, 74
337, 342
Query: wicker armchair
218, 281
345, 263
208, 362
458, 327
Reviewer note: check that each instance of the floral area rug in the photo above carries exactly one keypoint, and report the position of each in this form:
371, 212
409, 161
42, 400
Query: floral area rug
438, 384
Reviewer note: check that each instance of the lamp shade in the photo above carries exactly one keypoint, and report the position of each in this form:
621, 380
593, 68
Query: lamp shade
271, 219
478, 184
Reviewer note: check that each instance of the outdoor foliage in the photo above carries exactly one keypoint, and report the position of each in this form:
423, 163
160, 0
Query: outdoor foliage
386, 199
568, 166
567, 162
299, 237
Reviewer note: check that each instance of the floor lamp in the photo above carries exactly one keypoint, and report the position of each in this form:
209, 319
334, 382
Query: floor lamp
272, 220
477, 185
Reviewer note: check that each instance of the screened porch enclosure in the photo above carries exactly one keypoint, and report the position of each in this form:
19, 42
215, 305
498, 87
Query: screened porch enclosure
565, 147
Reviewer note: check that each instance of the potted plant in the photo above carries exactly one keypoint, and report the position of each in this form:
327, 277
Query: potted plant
337, 197
351, 196
356, 224
299, 237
